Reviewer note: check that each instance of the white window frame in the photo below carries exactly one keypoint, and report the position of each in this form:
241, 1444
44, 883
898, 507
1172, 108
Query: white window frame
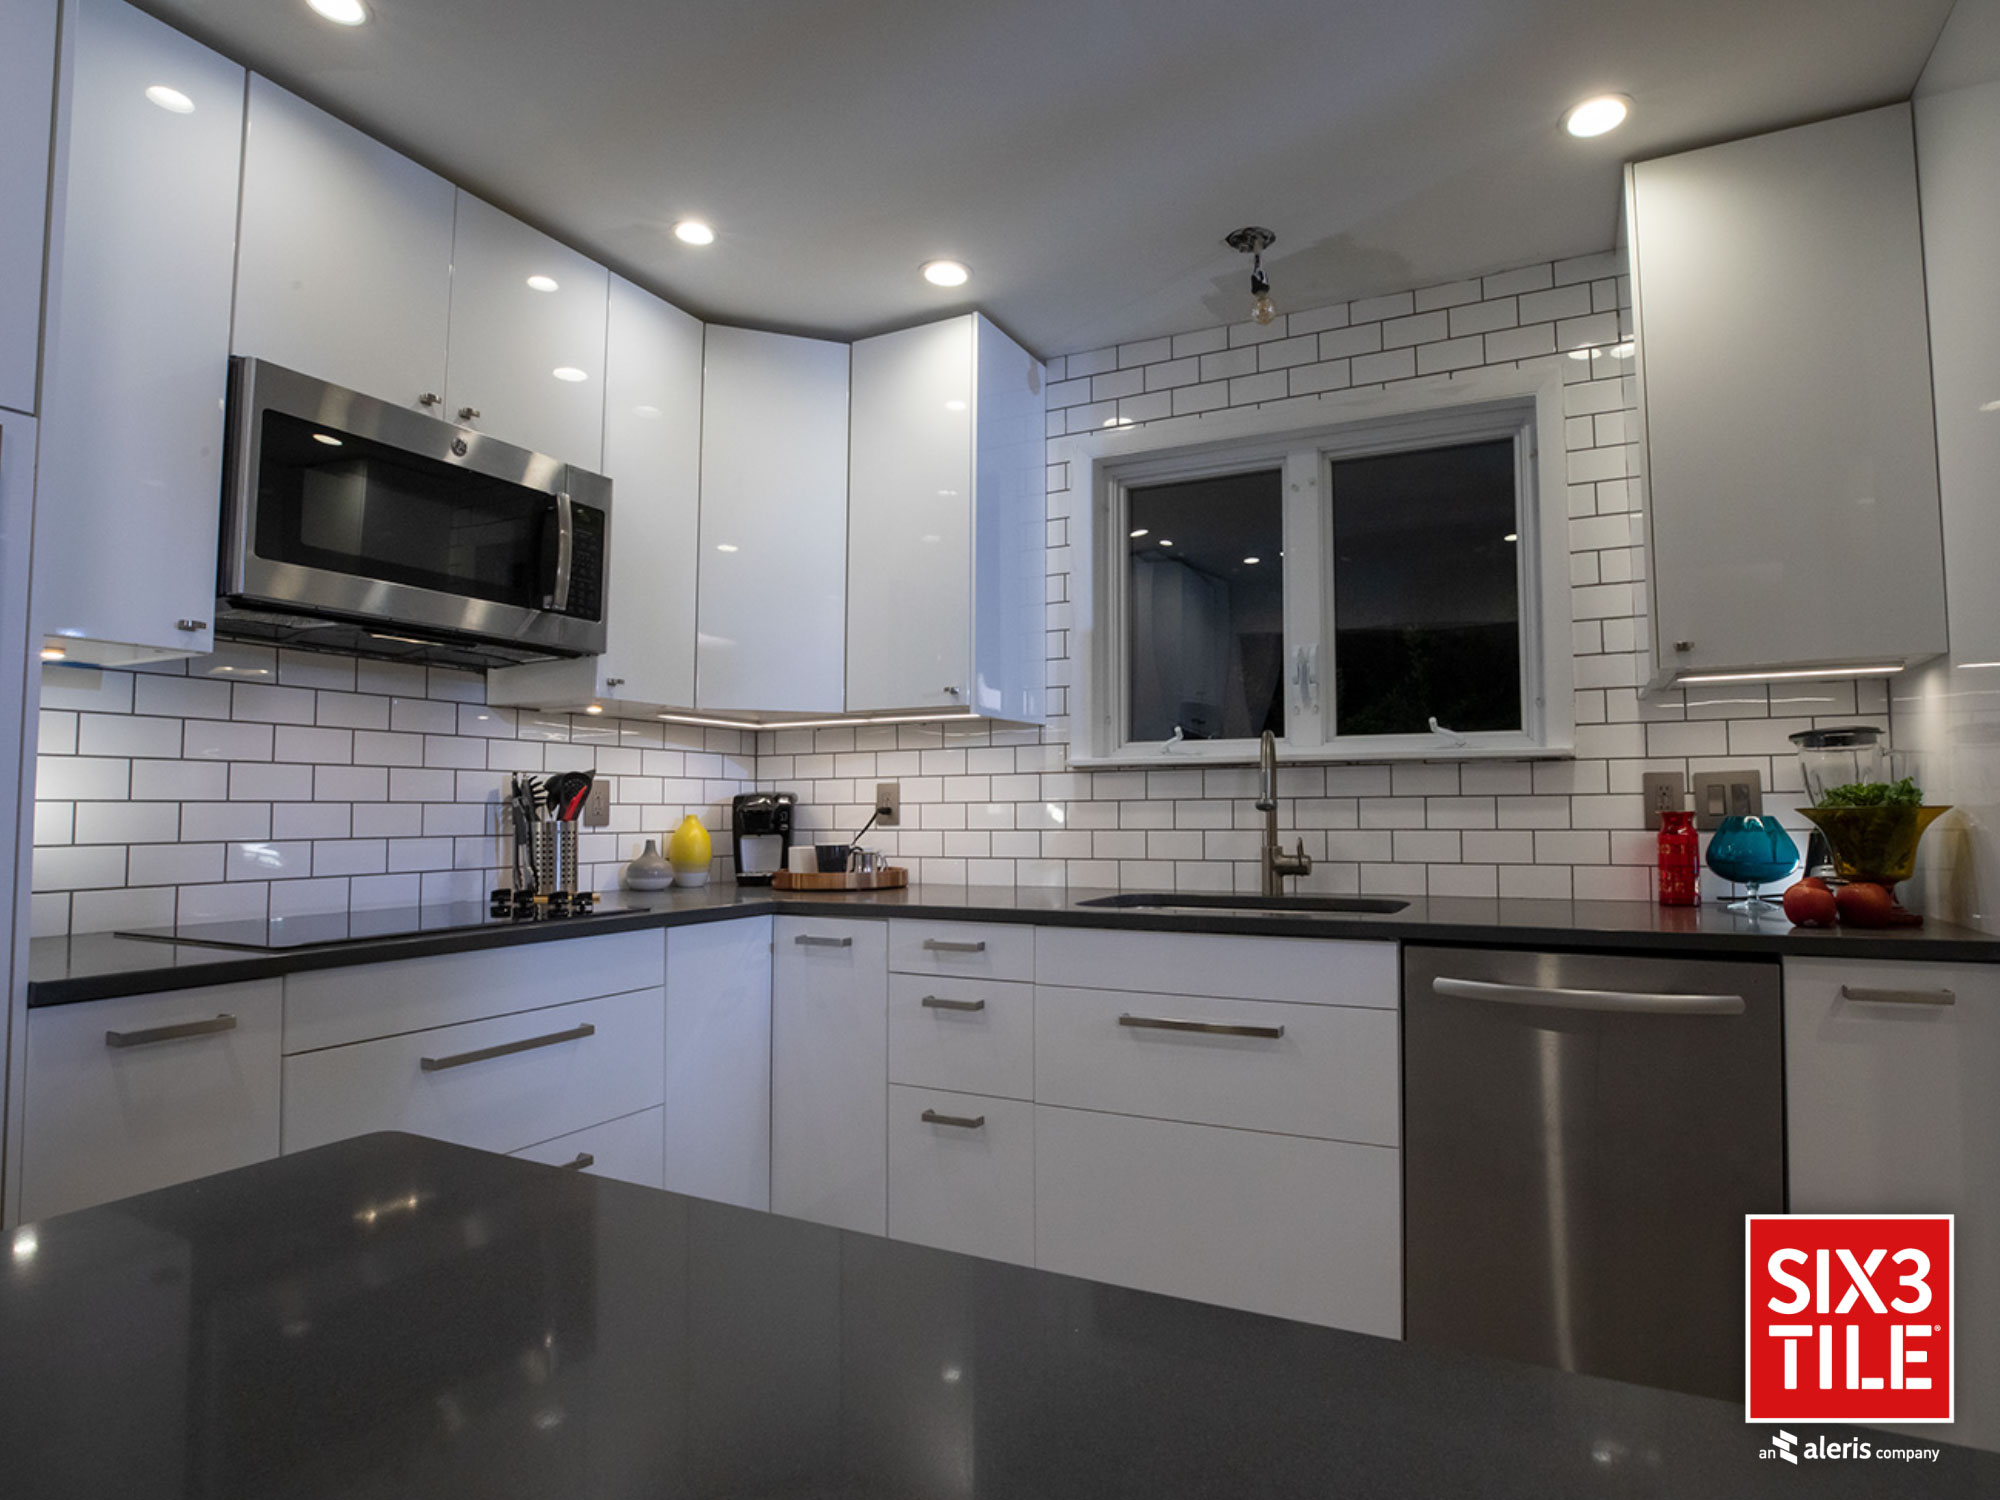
1303, 437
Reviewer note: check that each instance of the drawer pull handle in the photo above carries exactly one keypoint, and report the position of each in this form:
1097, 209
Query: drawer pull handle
1208, 1028
506, 1049
963, 1122
583, 1159
1898, 997
169, 1033
939, 1002
939, 945
1616, 1002
807, 940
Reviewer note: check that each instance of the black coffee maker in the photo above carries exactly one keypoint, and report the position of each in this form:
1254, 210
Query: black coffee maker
760, 833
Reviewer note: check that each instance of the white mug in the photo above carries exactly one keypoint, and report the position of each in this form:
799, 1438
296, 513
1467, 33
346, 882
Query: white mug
802, 859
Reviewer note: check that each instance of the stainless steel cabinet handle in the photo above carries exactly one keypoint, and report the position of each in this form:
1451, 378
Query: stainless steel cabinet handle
429, 398
583, 1159
1898, 997
190, 624
939, 945
169, 1033
468, 414
939, 1002
1624, 1002
1207, 1028
506, 1049
807, 940
963, 1122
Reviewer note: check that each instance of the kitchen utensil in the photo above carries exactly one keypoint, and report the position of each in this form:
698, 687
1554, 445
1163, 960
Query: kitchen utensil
555, 858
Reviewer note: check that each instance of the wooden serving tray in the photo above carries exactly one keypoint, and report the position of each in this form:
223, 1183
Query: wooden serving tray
893, 878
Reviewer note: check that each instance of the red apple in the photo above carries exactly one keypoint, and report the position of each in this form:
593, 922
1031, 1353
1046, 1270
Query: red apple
1862, 903
1810, 904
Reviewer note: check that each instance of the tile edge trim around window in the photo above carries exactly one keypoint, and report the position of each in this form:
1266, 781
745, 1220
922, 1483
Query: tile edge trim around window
1095, 459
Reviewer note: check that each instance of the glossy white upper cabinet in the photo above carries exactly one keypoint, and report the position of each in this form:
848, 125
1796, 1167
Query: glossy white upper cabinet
148, 147
527, 337
772, 602
652, 453
1789, 454
27, 79
946, 534
344, 267
1958, 144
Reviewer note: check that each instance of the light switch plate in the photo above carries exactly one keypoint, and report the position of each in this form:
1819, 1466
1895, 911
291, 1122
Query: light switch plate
889, 804
597, 807
1663, 789
1722, 794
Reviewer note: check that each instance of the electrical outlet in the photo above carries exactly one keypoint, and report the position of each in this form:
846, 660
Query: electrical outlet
597, 807
1664, 790
1725, 794
888, 804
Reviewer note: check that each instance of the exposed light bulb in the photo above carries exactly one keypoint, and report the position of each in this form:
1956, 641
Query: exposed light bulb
1262, 309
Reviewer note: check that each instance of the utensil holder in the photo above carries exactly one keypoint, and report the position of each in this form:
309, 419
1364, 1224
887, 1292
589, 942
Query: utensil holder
555, 859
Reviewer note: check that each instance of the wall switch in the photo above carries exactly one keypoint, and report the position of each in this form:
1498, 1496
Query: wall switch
888, 804
1726, 794
1665, 790
597, 807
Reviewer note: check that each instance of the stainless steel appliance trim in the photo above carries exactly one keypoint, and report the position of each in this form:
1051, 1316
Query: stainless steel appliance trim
807, 940
940, 1002
1627, 1002
1898, 997
963, 1122
583, 1159
286, 588
565, 547
506, 1049
1209, 1028
940, 945
171, 1033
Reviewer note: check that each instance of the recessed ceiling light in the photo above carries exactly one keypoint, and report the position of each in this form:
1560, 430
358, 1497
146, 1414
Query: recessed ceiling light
1141, 531
542, 283
340, 12
694, 232
1597, 115
569, 372
173, 101
328, 438
947, 272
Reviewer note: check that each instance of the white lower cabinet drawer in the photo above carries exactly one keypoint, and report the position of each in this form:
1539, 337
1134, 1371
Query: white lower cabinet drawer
127, 1095
501, 1084
962, 950
971, 1036
1276, 1224
632, 1149
1319, 1070
962, 1173
1308, 971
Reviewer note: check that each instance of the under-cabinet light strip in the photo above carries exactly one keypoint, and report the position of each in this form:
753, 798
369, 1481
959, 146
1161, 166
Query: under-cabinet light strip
1693, 679
769, 724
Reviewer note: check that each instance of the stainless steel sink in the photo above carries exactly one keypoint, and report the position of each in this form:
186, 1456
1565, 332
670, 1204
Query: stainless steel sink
1192, 901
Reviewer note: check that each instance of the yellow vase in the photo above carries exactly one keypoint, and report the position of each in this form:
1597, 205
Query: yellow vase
689, 852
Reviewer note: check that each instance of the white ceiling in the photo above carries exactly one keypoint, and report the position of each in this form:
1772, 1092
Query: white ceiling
1084, 156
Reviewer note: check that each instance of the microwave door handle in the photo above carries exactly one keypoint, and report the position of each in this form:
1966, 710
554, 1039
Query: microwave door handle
558, 599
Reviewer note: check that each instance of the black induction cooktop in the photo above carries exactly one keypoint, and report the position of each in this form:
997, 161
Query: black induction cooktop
320, 929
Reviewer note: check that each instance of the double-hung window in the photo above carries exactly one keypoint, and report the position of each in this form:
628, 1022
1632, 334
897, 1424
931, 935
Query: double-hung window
1388, 581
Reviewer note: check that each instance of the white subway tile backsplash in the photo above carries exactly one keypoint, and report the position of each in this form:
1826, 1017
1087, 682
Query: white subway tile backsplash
304, 781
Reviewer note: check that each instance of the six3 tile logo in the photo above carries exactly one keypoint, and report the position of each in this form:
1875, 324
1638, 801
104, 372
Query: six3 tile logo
1848, 1318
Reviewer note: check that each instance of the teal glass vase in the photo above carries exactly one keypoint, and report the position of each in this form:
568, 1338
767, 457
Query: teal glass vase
1752, 849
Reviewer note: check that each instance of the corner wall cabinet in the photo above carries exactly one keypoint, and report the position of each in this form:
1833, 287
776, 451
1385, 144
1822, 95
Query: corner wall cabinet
946, 523
149, 133
27, 77
1789, 454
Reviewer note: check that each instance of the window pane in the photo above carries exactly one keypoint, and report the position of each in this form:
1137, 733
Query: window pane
1206, 621
1427, 605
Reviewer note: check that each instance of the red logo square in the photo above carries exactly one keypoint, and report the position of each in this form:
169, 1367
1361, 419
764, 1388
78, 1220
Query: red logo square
1848, 1318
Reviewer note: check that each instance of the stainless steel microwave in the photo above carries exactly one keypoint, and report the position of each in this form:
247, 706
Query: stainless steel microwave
352, 523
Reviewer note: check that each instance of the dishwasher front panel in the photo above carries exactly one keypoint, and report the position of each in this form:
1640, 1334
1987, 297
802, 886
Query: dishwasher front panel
1576, 1166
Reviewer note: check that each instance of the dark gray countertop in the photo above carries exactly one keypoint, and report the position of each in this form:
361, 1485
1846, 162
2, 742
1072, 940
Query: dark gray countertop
396, 1316
99, 965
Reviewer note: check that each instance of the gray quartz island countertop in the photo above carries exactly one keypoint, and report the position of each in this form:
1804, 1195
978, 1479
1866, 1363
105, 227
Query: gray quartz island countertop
96, 966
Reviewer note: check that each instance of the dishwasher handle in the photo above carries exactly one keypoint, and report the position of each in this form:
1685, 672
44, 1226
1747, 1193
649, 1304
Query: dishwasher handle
1620, 1002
